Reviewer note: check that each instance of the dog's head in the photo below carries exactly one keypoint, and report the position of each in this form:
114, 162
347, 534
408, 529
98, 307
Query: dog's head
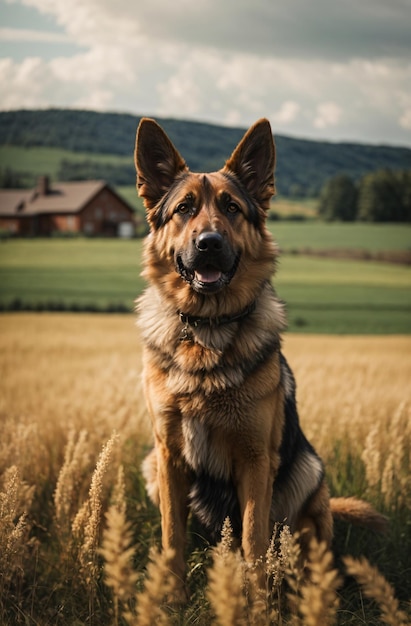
207, 230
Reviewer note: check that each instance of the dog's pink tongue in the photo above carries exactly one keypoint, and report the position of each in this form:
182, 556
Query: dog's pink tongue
208, 275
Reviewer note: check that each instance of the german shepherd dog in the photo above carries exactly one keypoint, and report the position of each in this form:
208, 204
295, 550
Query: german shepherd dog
219, 391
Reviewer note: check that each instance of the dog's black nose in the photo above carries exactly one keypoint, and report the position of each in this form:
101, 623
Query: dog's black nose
209, 242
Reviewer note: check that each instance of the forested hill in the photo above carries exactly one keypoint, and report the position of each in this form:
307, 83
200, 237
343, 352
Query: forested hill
302, 166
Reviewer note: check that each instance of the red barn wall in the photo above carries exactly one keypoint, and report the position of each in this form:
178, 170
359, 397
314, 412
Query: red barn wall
103, 215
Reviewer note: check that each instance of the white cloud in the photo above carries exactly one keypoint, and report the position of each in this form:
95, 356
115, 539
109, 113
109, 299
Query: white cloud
287, 112
27, 83
256, 60
102, 66
180, 93
328, 114
98, 100
25, 34
405, 120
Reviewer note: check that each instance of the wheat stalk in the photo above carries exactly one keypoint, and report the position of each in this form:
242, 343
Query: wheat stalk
371, 456
377, 588
75, 458
15, 501
319, 601
159, 587
119, 492
117, 550
225, 589
86, 525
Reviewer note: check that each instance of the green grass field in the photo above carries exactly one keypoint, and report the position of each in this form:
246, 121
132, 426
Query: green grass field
322, 295
318, 235
40, 161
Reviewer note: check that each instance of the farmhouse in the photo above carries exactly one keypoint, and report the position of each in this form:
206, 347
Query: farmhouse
90, 207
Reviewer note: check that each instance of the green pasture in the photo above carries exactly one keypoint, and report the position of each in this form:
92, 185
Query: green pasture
319, 235
322, 295
86, 272
41, 161
129, 193
344, 296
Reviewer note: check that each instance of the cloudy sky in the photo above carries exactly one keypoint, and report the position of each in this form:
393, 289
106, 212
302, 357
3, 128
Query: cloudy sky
316, 68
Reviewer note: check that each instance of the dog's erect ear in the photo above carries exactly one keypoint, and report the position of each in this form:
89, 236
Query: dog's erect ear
157, 162
253, 162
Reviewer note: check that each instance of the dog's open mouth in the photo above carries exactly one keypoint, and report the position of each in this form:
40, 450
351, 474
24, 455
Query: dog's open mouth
208, 275
206, 279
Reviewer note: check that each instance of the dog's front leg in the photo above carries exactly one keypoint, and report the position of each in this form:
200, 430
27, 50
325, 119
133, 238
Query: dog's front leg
173, 492
255, 492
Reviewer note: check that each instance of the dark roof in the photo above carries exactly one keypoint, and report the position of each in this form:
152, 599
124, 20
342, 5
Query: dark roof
70, 197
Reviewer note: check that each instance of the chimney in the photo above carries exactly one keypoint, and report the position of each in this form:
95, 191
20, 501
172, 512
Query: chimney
43, 185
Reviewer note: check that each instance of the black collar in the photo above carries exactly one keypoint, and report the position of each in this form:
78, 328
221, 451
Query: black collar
195, 322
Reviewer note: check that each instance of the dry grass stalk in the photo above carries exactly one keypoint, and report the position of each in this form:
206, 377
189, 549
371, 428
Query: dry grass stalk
319, 600
225, 589
226, 579
377, 588
76, 457
22, 444
273, 562
234, 589
386, 462
285, 559
15, 500
371, 457
159, 588
119, 492
80, 521
226, 544
257, 596
394, 484
118, 551
388, 481
278, 560
294, 572
86, 525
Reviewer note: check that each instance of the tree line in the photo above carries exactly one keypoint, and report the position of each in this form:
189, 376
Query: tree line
88, 169
381, 196
303, 166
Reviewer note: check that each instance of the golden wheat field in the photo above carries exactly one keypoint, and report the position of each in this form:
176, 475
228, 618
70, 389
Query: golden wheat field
78, 536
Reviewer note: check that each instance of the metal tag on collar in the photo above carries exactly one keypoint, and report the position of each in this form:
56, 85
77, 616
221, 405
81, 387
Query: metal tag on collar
185, 334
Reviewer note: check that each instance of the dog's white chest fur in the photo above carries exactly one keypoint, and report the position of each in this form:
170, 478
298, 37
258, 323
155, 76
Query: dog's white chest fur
203, 449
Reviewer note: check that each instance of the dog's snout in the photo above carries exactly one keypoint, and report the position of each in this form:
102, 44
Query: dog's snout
209, 242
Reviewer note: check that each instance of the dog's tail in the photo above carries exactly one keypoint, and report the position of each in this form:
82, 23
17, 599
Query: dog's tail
359, 512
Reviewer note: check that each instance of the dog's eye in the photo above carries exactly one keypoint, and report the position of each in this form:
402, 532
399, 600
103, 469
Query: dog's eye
232, 207
182, 208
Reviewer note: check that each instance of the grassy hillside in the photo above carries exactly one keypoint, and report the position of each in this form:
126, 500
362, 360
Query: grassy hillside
322, 295
37, 160
302, 166
73, 434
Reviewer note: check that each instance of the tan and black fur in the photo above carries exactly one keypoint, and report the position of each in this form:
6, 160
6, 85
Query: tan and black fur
220, 393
